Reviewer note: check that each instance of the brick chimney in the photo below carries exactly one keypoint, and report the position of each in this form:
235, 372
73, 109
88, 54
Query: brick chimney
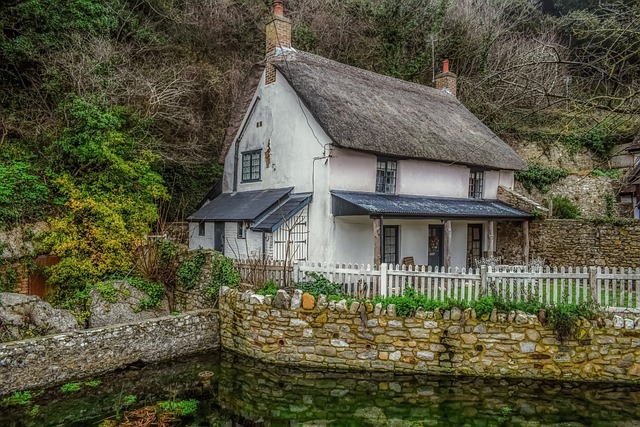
278, 30
446, 79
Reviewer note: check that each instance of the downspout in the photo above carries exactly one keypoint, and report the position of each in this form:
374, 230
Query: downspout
237, 145
381, 239
264, 246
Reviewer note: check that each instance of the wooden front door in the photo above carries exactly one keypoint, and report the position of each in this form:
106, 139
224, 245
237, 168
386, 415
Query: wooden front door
436, 246
218, 237
37, 279
474, 244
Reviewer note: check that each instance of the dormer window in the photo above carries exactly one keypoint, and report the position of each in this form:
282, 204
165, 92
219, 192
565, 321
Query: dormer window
386, 176
251, 166
476, 184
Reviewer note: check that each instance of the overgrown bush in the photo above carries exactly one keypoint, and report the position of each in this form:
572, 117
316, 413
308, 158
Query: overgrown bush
484, 305
191, 270
108, 190
410, 301
22, 194
269, 288
223, 273
564, 208
155, 291
319, 285
540, 177
564, 317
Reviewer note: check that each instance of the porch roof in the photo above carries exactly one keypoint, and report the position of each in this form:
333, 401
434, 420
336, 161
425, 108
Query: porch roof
278, 216
347, 203
241, 206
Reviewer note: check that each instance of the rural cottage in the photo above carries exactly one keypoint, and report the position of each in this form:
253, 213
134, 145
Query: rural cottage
324, 161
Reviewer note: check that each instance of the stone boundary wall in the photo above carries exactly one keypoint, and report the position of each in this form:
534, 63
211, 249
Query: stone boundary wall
61, 358
330, 335
519, 201
566, 242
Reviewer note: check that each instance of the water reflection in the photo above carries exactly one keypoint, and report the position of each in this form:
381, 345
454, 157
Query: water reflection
246, 393
286, 396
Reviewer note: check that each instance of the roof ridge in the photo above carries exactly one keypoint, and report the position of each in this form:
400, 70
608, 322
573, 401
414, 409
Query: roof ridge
368, 73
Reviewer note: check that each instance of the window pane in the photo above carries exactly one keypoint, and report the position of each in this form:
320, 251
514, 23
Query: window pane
251, 166
476, 184
386, 177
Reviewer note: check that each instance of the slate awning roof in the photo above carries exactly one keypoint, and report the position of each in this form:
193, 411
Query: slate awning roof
278, 216
241, 206
347, 203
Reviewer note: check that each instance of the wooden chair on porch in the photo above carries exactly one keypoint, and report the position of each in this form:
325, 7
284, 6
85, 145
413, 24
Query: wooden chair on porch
408, 261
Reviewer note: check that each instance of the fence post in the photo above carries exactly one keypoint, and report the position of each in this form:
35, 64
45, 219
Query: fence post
383, 279
295, 274
483, 280
593, 280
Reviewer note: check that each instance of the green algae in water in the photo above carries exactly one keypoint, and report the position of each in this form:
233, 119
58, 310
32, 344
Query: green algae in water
259, 394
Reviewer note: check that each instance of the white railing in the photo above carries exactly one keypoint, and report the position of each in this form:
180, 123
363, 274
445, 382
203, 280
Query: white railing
612, 288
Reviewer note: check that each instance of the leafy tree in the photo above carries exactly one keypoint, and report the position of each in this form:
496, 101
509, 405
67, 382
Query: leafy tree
109, 190
38, 26
22, 194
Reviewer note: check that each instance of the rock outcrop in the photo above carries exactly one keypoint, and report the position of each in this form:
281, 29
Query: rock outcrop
24, 316
126, 307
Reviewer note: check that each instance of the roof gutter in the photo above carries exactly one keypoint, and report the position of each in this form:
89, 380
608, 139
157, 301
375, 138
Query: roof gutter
448, 216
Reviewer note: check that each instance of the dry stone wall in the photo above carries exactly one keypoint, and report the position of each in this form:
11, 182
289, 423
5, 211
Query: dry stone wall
332, 335
61, 358
563, 242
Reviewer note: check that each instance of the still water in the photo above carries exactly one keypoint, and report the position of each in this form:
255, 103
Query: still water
247, 393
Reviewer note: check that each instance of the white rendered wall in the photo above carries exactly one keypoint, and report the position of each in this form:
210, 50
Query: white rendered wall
424, 178
289, 138
196, 241
249, 247
507, 179
353, 170
458, 244
356, 171
353, 241
491, 182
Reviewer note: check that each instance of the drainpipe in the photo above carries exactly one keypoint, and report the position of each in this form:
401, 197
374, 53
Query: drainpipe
381, 239
236, 154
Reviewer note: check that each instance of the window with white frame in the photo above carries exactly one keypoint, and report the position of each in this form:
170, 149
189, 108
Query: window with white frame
476, 184
251, 166
202, 229
386, 174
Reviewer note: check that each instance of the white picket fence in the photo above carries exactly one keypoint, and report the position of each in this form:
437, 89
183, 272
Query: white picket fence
613, 288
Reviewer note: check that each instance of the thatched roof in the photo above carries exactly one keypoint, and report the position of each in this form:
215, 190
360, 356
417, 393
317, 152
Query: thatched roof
365, 111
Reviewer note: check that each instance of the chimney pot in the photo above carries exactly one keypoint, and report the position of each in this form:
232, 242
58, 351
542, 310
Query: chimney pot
278, 8
446, 79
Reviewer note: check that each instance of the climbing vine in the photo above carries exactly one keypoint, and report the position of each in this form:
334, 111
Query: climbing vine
191, 270
540, 177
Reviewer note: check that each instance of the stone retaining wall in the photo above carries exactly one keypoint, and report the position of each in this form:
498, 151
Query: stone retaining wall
329, 335
565, 242
65, 357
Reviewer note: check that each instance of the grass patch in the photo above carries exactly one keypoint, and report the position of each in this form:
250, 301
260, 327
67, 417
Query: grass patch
70, 387
18, 398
